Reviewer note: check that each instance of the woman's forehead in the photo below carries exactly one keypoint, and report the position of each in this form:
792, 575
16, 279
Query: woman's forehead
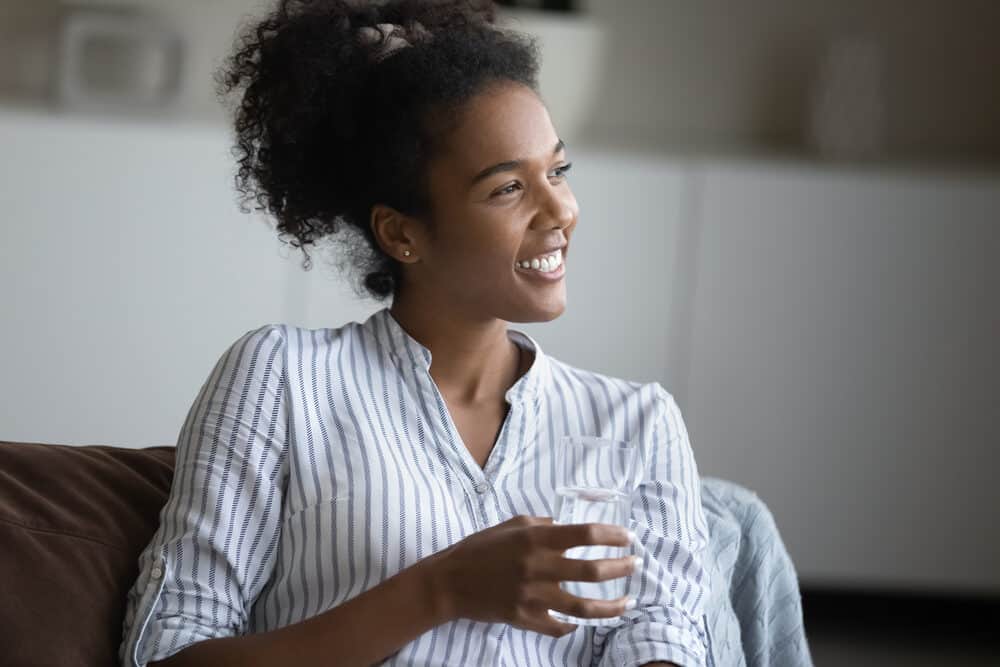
502, 123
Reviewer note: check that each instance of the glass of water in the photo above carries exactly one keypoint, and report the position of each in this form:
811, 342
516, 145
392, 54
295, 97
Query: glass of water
594, 486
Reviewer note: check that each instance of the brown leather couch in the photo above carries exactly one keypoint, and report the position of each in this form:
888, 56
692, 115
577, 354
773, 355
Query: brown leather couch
72, 523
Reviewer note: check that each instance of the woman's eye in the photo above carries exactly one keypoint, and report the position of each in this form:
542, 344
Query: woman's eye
559, 171
507, 190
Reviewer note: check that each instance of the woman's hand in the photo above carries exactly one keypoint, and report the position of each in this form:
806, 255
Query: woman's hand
510, 573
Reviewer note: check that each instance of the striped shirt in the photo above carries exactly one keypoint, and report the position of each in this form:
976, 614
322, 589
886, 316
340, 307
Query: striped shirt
315, 464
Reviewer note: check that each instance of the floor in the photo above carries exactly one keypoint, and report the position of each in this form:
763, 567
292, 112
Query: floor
894, 629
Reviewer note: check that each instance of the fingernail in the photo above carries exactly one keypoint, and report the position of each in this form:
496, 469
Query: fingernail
632, 537
630, 604
635, 563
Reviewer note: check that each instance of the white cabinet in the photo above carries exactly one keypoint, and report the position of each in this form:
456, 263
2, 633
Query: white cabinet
125, 271
845, 364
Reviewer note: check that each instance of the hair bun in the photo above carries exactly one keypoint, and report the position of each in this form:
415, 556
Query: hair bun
391, 37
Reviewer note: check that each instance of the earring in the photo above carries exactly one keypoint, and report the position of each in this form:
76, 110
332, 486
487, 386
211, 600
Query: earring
406, 253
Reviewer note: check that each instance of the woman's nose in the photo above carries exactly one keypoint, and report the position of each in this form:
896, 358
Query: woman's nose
560, 209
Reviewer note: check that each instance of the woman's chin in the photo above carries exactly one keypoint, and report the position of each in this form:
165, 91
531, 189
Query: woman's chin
540, 309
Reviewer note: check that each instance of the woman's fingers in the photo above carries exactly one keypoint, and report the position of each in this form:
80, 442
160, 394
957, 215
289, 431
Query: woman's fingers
566, 536
547, 625
512, 572
572, 605
559, 568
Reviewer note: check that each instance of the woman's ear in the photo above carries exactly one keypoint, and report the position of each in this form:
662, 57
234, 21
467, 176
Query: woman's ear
395, 233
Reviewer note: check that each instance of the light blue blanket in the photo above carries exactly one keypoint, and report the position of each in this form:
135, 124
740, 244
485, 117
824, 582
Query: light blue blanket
755, 613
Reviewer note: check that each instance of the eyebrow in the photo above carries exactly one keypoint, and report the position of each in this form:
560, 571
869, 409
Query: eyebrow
509, 166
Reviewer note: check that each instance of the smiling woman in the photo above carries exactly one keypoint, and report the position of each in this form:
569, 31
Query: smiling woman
384, 491
346, 106
488, 220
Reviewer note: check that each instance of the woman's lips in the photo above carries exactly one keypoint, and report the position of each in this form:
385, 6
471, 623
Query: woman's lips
547, 277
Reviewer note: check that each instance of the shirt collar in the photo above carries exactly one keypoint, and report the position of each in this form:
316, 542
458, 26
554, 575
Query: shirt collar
406, 350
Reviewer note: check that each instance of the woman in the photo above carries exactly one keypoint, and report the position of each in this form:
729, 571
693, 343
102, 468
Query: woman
339, 498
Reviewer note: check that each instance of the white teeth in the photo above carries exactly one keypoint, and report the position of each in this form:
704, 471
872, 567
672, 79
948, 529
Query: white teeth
544, 264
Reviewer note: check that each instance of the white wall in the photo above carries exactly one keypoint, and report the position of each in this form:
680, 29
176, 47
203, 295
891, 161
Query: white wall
705, 75
844, 363
736, 75
126, 268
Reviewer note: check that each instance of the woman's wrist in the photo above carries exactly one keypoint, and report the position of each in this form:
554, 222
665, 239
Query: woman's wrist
432, 574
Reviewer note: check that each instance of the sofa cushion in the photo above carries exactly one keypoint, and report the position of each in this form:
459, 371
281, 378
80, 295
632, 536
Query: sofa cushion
72, 523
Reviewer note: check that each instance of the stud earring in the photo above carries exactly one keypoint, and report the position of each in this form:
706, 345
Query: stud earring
406, 253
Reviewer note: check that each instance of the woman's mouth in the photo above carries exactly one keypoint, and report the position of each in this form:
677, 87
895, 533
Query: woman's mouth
549, 266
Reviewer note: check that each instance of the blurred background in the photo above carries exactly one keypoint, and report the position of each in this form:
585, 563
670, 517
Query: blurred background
801, 197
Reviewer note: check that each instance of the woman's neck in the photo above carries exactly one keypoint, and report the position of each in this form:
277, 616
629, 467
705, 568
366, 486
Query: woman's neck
473, 360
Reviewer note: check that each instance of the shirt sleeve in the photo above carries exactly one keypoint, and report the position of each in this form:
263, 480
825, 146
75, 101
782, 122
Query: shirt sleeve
672, 582
213, 550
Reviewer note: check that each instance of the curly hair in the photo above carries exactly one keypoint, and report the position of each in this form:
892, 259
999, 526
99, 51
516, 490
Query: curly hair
325, 129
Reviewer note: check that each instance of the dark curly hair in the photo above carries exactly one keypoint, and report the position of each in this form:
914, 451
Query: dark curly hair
325, 130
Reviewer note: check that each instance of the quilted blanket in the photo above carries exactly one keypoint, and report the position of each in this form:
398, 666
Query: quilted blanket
754, 616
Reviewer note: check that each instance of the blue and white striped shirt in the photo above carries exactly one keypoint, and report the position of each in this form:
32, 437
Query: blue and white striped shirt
315, 464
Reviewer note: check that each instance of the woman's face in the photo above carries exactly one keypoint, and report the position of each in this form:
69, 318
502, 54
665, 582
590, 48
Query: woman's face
500, 196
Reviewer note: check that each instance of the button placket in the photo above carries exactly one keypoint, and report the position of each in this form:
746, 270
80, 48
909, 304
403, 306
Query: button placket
444, 440
498, 458
487, 517
450, 440
516, 436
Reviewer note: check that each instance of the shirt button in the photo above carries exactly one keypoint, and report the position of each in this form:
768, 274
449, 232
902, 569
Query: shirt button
481, 487
156, 572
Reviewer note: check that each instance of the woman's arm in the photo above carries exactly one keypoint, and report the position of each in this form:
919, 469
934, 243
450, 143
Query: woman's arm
364, 630
667, 626
225, 508
214, 550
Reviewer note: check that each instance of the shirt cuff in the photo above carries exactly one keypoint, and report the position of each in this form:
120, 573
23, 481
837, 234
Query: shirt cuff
642, 641
152, 634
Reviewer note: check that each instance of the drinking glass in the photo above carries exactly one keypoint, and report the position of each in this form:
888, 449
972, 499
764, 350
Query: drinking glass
593, 486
